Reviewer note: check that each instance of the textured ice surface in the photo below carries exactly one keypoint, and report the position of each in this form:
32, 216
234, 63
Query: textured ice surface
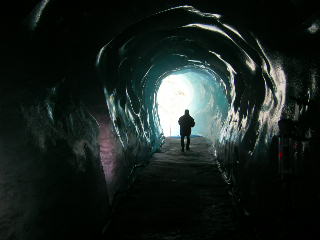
51, 179
239, 91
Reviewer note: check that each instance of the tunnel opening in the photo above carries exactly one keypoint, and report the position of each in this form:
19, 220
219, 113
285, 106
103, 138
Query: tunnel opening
199, 90
174, 95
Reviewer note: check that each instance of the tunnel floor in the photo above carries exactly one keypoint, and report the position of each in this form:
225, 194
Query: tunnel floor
179, 195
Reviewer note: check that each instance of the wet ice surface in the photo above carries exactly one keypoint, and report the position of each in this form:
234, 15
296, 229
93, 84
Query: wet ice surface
179, 195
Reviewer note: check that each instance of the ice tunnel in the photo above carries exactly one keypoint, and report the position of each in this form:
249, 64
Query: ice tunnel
239, 93
90, 91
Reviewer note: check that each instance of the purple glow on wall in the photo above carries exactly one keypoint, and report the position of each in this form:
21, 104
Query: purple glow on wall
109, 154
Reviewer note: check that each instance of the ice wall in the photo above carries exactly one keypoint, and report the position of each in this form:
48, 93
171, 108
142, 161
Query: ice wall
51, 178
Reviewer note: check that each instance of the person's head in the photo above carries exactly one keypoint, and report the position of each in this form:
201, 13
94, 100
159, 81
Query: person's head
186, 112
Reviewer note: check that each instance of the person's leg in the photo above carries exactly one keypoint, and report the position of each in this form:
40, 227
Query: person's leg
188, 142
182, 143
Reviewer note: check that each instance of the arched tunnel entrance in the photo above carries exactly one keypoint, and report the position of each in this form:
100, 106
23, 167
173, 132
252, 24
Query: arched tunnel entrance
90, 92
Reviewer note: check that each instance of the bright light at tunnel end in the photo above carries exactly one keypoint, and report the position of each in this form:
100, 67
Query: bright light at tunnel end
174, 96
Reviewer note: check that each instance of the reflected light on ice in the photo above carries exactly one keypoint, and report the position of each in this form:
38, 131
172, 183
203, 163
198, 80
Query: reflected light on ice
314, 27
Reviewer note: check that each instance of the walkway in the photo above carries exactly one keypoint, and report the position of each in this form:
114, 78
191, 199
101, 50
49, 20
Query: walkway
178, 196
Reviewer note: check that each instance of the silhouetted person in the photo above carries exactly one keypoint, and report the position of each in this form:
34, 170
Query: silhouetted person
186, 122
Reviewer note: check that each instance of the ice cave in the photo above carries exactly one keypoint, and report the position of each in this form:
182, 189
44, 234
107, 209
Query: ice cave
91, 94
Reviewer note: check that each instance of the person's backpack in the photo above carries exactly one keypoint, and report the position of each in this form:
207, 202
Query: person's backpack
193, 123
